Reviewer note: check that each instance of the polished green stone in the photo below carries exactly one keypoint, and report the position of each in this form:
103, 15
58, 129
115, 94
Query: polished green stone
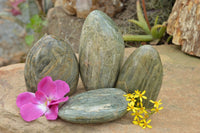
143, 71
101, 51
95, 106
51, 57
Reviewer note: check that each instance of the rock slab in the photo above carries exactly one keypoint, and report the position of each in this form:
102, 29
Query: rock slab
179, 93
142, 71
95, 106
101, 51
51, 57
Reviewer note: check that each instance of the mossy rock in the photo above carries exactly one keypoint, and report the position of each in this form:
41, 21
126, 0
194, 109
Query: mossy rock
51, 57
101, 51
142, 71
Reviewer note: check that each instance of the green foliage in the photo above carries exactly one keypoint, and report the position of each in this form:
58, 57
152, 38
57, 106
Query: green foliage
154, 34
29, 39
36, 24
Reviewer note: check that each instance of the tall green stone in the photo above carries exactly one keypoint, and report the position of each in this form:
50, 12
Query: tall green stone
101, 51
142, 71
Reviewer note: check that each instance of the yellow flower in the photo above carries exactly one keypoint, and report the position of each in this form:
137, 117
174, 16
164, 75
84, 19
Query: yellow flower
132, 99
138, 104
143, 110
156, 110
131, 106
156, 103
137, 115
140, 95
137, 91
146, 116
144, 124
137, 122
129, 95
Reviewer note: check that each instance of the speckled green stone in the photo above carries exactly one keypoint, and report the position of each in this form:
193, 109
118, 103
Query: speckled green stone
95, 106
143, 71
51, 57
101, 51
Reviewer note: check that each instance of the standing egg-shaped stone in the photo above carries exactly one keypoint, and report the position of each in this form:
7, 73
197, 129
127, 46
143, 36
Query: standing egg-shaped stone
142, 71
51, 57
101, 51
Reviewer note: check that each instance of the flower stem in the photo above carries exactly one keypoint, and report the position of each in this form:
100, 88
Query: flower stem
150, 114
145, 14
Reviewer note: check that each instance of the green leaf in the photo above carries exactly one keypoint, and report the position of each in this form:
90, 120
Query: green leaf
29, 26
29, 39
168, 39
155, 32
162, 30
139, 12
141, 25
35, 20
141, 20
139, 38
156, 20
140, 15
154, 35
36, 23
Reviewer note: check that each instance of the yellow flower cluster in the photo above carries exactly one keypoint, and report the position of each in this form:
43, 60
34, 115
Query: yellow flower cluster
140, 113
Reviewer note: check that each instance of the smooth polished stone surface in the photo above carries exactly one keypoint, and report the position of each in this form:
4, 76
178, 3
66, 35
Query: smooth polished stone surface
142, 71
101, 51
95, 106
51, 57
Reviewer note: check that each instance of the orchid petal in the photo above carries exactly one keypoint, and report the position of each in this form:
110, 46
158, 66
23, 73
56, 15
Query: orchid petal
62, 88
47, 86
52, 113
16, 2
64, 99
30, 111
40, 97
24, 98
15, 9
15, 12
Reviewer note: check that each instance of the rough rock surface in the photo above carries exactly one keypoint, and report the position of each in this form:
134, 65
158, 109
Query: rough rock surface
179, 93
51, 57
183, 24
64, 26
142, 71
82, 8
12, 45
101, 51
95, 106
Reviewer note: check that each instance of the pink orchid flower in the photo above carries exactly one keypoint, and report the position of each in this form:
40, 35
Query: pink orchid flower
45, 101
15, 7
